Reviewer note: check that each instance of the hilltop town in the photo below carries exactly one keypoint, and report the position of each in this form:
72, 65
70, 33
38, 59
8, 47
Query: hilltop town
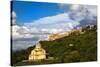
78, 30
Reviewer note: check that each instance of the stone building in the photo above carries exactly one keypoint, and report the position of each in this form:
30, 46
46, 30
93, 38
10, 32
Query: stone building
58, 36
54, 37
38, 53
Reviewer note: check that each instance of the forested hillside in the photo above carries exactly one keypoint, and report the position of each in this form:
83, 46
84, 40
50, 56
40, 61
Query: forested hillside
72, 48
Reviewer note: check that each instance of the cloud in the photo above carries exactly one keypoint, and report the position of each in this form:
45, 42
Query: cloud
19, 32
23, 37
74, 7
60, 21
13, 16
42, 27
24, 32
80, 13
23, 43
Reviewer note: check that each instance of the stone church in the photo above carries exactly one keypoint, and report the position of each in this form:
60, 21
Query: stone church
38, 53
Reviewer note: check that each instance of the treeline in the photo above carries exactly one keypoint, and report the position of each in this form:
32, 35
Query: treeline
72, 48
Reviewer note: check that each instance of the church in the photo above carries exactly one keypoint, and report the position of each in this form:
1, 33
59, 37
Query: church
38, 53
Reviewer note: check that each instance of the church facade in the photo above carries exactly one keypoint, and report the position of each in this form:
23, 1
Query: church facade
38, 53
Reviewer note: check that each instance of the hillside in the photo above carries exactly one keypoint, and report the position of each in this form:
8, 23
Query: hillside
84, 47
72, 48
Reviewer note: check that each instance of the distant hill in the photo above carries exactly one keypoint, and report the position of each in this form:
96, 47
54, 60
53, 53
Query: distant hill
72, 48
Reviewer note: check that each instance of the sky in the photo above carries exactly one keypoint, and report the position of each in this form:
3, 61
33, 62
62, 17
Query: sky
30, 11
34, 21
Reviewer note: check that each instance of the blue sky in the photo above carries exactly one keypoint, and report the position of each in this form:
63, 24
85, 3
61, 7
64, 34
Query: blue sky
30, 11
